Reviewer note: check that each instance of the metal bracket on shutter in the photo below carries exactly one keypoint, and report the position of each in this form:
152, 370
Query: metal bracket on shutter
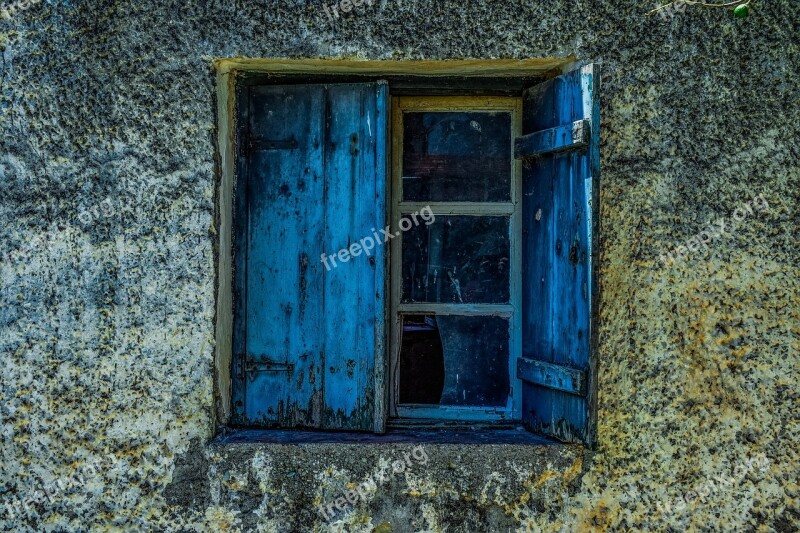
552, 376
558, 139
266, 365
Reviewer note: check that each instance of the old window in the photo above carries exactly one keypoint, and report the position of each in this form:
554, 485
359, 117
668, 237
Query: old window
347, 314
456, 281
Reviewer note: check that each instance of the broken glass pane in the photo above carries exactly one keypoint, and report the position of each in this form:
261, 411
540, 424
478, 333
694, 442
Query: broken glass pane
457, 156
421, 360
457, 259
454, 360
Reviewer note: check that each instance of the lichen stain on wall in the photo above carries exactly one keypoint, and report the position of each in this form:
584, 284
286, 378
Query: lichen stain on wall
107, 328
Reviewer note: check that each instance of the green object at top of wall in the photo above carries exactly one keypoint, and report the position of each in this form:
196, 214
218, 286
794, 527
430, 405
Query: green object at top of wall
741, 9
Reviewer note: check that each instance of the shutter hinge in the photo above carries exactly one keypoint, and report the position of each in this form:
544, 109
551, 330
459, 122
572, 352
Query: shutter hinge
254, 144
266, 365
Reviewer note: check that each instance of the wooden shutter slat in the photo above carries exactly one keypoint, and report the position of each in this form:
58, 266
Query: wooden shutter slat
283, 227
312, 181
556, 377
355, 199
559, 285
557, 139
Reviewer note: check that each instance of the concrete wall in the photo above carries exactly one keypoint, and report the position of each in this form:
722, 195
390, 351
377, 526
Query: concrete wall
107, 305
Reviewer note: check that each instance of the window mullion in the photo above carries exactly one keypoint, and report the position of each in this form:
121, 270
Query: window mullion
459, 208
500, 310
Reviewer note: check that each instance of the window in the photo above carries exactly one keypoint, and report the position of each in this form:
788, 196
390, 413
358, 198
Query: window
455, 298
485, 314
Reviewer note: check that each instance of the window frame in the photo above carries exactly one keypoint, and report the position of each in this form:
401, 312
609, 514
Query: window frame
507, 77
511, 209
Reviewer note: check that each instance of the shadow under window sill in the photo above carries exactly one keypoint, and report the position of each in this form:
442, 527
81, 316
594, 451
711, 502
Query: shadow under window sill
395, 434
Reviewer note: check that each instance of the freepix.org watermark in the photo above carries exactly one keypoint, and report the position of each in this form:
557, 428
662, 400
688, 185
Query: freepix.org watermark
715, 230
104, 209
367, 488
9, 10
24, 505
710, 485
344, 6
367, 244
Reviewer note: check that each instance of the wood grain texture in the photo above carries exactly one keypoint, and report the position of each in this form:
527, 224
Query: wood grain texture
285, 230
557, 377
308, 336
558, 280
226, 120
354, 296
467, 67
560, 138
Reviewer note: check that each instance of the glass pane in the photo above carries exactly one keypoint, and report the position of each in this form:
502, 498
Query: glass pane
454, 360
457, 156
457, 259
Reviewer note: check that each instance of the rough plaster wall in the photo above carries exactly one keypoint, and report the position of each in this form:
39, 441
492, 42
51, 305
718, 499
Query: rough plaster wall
107, 318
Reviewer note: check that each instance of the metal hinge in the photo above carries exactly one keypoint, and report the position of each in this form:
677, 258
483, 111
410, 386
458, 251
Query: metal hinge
253, 144
266, 365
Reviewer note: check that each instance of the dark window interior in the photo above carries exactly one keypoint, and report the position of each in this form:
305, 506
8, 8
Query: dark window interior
454, 360
459, 259
456, 157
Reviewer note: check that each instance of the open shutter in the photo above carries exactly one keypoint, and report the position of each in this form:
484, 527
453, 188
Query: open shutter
560, 152
312, 181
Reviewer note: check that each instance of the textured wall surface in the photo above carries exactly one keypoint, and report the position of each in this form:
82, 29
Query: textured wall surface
107, 177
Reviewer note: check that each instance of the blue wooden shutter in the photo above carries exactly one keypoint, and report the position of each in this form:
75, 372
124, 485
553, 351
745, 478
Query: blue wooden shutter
311, 180
560, 152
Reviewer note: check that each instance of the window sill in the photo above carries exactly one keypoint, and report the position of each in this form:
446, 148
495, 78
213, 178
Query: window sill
396, 435
410, 467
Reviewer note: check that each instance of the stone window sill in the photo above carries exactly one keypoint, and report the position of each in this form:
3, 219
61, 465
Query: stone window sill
506, 435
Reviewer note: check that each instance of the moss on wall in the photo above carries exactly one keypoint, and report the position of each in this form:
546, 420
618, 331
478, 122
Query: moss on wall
107, 335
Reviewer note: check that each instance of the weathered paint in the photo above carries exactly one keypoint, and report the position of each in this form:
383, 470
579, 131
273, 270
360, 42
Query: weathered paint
558, 377
556, 260
560, 138
314, 183
697, 358
536, 66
